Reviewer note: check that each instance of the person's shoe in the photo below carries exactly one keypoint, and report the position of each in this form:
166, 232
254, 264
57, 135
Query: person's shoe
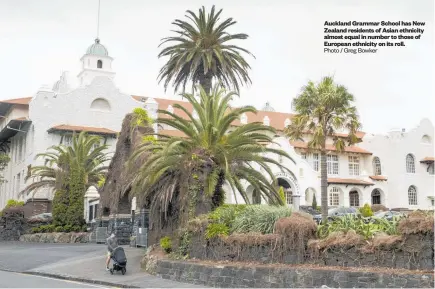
107, 269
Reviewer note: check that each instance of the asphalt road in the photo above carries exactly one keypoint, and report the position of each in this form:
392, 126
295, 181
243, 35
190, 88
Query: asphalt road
20, 257
19, 280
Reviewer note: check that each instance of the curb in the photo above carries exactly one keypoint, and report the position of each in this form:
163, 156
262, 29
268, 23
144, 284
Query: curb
77, 279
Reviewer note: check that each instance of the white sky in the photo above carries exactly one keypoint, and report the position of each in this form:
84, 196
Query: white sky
393, 88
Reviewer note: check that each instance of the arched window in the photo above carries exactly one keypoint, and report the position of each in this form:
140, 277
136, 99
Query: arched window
412, 196
334, 196
100, 104
410, 164
244, 118
354, 199
425, 139
376, 197
377, 166
99, 64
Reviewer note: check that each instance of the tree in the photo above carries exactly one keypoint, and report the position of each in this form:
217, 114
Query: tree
322, 109
86, 152
201, 51
195, 166
70, 171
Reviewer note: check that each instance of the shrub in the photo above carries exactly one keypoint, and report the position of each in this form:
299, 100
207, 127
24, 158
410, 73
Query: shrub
44, 229
14, 203
259, 218
366, 211
216, 229
60, 207
141, 117
166, 244
77, 190
417, 222
282, 196
226, 214
58, 229
314, 203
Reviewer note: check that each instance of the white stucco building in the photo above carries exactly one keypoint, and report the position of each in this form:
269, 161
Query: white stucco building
91, 102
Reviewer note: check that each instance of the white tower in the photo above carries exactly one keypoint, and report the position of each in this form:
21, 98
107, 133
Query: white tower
96, 62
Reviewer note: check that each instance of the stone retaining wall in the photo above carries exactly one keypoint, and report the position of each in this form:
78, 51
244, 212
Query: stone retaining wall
261, 276
415, 252
56, 238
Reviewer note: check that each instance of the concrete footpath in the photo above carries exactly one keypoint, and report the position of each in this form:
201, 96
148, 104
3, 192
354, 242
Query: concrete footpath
82, 263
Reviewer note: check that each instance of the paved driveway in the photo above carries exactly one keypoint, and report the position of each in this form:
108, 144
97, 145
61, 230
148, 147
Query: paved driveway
80, 262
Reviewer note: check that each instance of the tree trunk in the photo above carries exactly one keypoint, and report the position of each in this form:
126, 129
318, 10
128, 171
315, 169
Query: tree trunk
206, 83
324, 184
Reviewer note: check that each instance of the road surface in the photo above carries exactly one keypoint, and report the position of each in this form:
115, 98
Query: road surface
19, 280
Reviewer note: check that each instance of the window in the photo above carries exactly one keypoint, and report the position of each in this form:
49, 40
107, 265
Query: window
99, 64
425, 139
377, 166
353, 165
67, 140
430, 169
354, 199
100, 104
304, 156
412, 196
376, 197
95, 210
410, 164
18, 182
289, 196
91, 213
334, 196
256, 197
332, 164
316, 162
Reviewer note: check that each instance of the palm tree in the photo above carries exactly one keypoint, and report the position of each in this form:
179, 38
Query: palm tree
201, 51
85, 153
322, 110
208, 155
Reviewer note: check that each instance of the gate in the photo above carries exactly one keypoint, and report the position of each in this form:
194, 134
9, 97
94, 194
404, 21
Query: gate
101, 235
142, 237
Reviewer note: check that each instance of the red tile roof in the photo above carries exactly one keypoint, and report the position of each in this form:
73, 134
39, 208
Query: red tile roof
277, 119
379, 178
171, 132
23, 100
348, 149
427, 160
348, 182
100, 130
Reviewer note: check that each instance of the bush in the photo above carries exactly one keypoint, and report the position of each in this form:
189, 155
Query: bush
44, 229
14, 203
226, 214
216, 229
166, 244
366, 211
259, 218
282, 196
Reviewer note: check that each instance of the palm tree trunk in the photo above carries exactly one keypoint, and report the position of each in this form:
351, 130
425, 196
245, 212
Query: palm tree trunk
206, 83
324, 184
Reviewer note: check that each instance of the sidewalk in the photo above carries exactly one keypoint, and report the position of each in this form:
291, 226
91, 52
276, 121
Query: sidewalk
91, 268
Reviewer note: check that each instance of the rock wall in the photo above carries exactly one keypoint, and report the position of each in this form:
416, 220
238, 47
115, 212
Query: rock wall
414, 252
257, 276
56, 238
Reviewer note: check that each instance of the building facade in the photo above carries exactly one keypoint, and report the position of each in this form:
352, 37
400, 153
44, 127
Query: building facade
395, 170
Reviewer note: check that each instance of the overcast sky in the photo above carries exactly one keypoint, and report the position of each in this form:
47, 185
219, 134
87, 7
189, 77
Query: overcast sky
393, 88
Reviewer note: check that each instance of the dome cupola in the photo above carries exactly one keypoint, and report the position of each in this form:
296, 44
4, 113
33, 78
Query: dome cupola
97, 49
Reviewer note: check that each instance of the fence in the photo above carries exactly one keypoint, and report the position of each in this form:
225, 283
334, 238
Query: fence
101, 235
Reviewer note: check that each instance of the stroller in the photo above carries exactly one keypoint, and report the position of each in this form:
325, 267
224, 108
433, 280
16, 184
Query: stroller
119, 261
